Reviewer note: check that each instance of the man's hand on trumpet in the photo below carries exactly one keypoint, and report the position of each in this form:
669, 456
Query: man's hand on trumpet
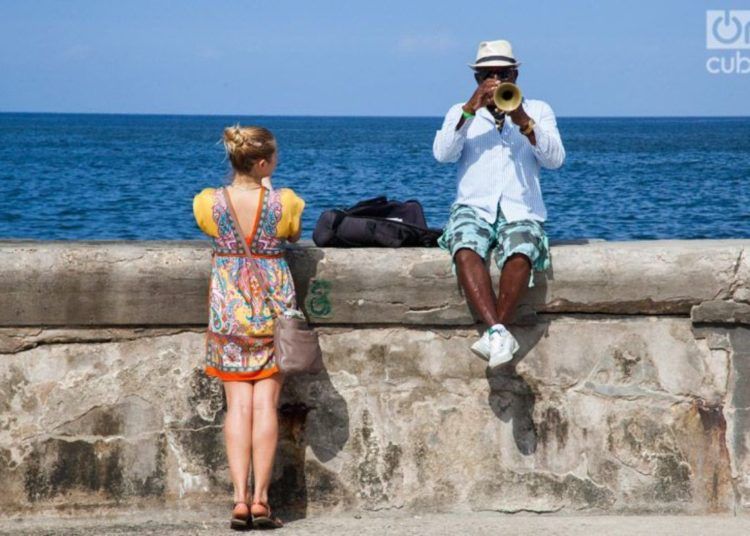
482, 96
519, 117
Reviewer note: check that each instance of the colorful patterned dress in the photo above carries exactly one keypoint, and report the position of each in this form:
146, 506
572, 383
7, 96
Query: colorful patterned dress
239, 343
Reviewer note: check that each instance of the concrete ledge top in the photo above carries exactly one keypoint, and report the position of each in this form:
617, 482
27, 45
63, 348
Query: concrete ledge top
166, 282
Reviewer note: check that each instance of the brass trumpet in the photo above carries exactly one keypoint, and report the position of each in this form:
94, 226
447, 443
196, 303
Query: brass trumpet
507, 97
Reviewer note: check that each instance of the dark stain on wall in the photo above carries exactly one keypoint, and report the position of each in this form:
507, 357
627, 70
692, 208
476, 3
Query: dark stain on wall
367, 451
208, 393
35, 483
289, 489
107, 423
203, 443
552, 425
712, 417
653, 445
57, 467
88, 466
76, 465
673, 482
392, 460
325, 487
154, 484
377, 353
704, 430
374, 470
626, 362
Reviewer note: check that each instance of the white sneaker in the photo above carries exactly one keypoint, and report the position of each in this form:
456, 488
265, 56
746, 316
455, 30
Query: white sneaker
502, 345
482, 346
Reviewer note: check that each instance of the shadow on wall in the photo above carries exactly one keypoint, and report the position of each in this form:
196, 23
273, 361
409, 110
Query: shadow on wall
313, 414
304, 266
511, 398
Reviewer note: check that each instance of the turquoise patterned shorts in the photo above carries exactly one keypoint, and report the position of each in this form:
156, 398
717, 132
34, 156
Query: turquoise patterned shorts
467, 229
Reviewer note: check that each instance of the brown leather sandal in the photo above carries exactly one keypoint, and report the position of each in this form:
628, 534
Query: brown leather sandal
265, 520
241, 522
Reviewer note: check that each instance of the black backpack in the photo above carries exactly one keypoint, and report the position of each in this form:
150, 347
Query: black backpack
376, 222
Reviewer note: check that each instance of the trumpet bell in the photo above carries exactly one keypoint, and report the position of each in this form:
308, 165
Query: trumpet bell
507, 97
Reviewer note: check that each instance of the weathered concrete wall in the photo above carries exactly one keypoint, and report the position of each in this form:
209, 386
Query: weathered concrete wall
158, 283
631, 404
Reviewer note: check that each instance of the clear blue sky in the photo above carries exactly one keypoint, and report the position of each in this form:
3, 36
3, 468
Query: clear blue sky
385, 57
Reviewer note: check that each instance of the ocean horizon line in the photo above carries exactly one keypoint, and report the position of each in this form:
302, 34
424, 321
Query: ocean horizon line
291, 116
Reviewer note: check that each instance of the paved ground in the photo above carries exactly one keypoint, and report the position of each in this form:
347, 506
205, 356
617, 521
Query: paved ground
166, 523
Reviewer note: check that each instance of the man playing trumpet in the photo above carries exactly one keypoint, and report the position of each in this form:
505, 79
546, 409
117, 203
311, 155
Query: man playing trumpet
499, 201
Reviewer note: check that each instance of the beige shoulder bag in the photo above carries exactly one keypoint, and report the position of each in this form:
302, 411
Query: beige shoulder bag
296, 344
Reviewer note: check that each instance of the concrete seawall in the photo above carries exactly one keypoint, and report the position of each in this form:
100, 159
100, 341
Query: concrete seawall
629, 393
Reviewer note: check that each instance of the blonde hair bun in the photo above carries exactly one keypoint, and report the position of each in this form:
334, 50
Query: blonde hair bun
247, 145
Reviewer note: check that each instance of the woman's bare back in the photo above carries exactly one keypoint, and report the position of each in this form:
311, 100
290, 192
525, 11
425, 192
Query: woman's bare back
246, 205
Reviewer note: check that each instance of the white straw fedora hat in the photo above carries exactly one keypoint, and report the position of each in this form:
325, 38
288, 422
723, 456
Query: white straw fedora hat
494, 54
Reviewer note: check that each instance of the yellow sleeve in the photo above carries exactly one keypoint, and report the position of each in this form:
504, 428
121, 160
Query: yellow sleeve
203, 206
291, 214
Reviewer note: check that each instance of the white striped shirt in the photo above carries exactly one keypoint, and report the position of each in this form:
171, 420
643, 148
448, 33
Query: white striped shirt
501, 167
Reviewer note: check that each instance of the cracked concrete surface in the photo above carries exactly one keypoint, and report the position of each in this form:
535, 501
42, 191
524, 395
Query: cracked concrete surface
601, 415
630, 394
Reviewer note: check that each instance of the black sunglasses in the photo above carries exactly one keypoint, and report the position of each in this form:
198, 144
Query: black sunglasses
500, 74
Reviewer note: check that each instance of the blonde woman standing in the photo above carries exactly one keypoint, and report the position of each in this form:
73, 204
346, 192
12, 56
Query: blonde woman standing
244, 300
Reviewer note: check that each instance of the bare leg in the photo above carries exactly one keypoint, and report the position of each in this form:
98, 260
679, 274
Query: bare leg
514, 280
265, 434
237, 435
474, 278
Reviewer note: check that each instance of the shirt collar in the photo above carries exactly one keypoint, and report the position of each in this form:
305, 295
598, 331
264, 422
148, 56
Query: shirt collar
485, 114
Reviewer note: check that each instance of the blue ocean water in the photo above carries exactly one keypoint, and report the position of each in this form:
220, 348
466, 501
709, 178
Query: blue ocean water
133, 177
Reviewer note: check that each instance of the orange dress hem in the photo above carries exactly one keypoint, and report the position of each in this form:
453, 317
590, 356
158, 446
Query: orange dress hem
242, 376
